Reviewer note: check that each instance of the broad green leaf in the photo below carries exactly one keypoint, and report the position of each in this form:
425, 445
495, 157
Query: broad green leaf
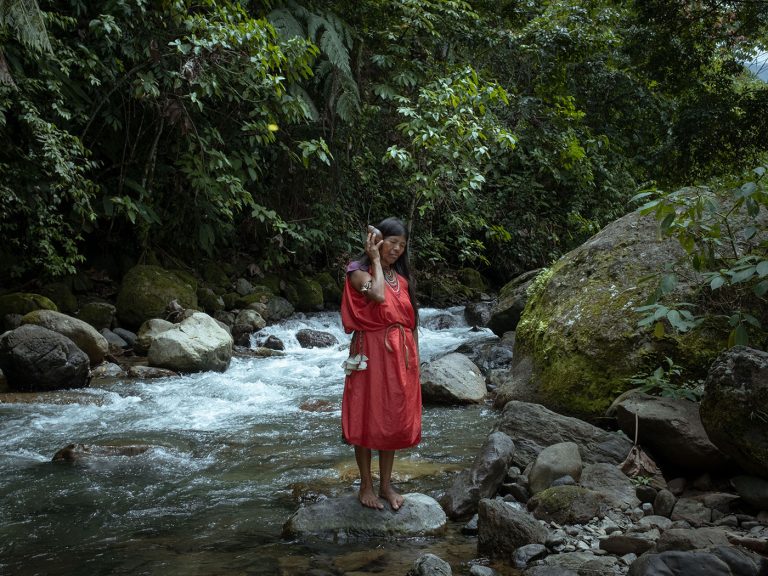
716, 283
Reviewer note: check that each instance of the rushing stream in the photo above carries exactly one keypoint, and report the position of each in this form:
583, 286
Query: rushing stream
232, 456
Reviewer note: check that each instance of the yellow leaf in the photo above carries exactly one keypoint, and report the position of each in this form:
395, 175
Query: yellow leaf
658, 330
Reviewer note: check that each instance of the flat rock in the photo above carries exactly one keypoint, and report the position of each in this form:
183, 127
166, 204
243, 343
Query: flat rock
344, 517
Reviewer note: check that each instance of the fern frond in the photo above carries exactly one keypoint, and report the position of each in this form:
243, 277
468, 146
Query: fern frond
300, 94
25, 20
286, 24
332, 45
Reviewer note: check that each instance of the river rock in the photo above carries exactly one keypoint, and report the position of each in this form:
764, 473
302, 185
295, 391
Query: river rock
309, 338
568, 505
250, 318
553, 462
61, 295
691, 538
753, 490
507, 310
671, 430
278, 308
477, 313
549, 571
430, 565
34, 358
128, 336
196, 344
533, 427
482, 480
78, 453
148, 331
85, 336
720, 561
147, 290
307, 294
502, 528
100, 315
24, 302
583, 563
492, 354
114, 341
612, 483
734, 408
452, 379
578, 341
692, 511
344, 517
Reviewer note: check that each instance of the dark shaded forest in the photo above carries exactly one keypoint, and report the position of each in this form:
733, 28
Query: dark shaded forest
504, 132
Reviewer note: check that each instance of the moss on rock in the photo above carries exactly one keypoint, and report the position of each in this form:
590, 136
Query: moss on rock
331, 289
579, 327
309, 295
147, 290
24, 302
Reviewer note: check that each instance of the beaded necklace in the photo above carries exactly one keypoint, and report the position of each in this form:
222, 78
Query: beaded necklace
391, 277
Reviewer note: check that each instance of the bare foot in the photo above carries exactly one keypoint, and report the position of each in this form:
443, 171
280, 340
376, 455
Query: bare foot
369, 499
395, 500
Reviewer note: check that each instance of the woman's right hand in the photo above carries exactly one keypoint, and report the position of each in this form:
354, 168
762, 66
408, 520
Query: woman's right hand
372, 244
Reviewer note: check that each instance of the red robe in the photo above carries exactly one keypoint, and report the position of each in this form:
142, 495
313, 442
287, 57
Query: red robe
381, 406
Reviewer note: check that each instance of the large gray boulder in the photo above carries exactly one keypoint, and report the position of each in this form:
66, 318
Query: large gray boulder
568, 505
452, 379
85, 336
146, 291
578, 341
196, 344
345, 517
734, 409
482, 480
502, 528
670, 429
717, 561
611, 482
561, 459
34, 358
533, 427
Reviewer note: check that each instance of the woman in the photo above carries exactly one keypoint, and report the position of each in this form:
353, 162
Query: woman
381, 407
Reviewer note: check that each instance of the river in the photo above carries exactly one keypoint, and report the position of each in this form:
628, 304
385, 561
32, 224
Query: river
232, 456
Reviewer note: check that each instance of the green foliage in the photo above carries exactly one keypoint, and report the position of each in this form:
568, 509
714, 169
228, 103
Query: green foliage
725, 241
451, 134
504, 132
23, 19
667, 381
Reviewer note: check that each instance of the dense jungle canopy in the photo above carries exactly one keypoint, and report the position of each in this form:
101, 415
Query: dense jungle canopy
505, 132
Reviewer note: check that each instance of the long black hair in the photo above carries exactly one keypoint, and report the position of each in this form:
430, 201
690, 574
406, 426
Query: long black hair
395, 227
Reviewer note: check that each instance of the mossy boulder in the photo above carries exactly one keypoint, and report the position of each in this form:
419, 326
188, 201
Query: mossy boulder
260, 294
578, 341
734, 409
331, 289
24, 302
568, 505
271, 281
215, 275
472, 279
307, 295
100, 315
61, 295
147, 290
209, 300
443, 289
